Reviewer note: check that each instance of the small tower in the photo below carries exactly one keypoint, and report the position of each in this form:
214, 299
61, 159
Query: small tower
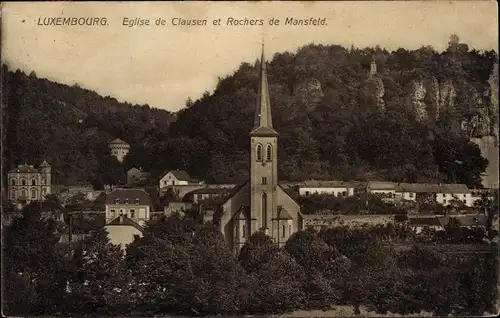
119, 149
373, 67
46, 172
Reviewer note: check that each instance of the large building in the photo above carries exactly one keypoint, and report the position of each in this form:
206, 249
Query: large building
27, 183
260, 203
119, 148
132, 203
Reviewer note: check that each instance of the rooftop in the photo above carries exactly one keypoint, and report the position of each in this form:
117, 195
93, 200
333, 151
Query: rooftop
131, 194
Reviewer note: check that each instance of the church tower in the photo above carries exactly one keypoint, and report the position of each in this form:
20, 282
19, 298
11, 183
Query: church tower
263, 160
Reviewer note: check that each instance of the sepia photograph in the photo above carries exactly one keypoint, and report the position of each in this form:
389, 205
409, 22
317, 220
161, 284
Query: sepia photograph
250, 159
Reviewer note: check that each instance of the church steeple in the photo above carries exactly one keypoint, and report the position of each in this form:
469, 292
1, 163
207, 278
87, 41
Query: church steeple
263, 123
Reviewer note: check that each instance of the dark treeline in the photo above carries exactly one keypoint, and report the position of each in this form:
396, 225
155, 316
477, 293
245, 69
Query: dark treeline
325, 108
182, 267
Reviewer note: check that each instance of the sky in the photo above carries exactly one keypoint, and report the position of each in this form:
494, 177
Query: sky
164, 65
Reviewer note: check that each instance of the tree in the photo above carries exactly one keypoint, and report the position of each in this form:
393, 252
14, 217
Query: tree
98, 283
34, 265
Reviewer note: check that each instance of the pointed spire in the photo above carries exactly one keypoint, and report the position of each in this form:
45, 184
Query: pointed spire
263, 120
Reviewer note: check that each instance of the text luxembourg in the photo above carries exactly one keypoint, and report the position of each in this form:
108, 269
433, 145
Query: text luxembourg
58, 21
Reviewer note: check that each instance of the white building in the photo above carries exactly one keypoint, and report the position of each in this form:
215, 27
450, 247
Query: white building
119, 148
452, 192
336, 188
177, 177
27, 183
133, 203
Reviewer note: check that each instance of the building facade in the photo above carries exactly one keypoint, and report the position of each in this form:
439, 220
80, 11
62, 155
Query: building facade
260, 203
336, 188
27, 183
119, 148
133, 203
176, 178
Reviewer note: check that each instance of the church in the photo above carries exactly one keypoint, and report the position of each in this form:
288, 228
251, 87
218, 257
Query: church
260, 203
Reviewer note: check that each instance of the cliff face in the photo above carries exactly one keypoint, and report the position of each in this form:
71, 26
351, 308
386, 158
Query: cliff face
309, 92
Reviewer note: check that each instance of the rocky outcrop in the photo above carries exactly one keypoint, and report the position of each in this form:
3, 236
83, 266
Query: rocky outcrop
309, 92
494, 115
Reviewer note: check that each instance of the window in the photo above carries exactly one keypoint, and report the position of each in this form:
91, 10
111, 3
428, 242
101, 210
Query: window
259, 152
33, 194
23, 193
243, 232
264, 180
173, 182
283, 234
13, 182
13, 194
117, 201
132, 213
269, 153
126, 200
43, 181
44, 192
165, 182
33, 182
307, 193
264, 209
464, 195
23, 182
112, 213
411, 195
136, 200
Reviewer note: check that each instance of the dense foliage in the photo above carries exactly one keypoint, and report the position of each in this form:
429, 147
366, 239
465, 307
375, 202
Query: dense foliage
324, 108
183, 267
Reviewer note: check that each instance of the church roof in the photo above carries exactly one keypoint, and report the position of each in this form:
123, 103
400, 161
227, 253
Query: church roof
283, 214
263, 123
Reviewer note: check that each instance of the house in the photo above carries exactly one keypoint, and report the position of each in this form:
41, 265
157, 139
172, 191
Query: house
385, 190
122, 231
119, 148
134, 203
207, 193
177, 177
437, 223
336, 188
260, 203
447, 193
137, 176
27, 183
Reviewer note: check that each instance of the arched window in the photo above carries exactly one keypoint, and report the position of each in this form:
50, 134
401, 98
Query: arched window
23, 193
13, 194
264, 209
44, 192
13, 182
23, 182
33, 193
259, 152
269, 153
33, 182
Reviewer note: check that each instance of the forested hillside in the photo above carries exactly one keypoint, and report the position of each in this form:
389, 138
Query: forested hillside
71, 126
409, 121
